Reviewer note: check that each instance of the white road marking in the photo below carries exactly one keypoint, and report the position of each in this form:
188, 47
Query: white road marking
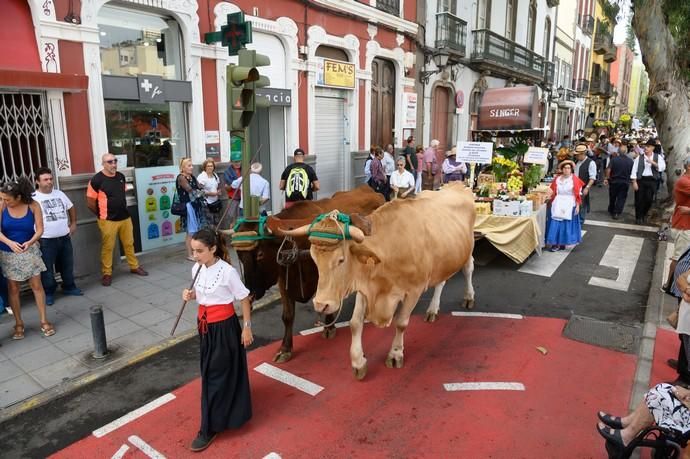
452, 387
288, 378
546, 264
120, 452
145, 447
272, 456
622, 253
499, 315
311, 331
627, 226
132, 415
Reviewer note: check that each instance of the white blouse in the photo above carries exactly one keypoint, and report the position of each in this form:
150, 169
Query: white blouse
209, 184
404, 180
220, 283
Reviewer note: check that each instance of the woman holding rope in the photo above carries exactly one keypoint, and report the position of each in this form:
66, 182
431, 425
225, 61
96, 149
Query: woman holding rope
225, 395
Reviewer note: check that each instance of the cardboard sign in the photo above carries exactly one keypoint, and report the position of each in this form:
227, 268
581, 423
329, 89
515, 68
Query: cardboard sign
536, 155
475, 152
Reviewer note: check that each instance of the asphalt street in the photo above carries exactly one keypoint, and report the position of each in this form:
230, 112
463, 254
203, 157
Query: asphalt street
500, 287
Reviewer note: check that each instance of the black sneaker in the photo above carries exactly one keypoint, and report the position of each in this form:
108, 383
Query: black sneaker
201, 442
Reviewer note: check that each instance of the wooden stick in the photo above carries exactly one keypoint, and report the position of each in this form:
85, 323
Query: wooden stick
184, 303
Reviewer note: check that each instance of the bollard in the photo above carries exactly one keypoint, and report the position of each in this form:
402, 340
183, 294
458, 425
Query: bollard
98, 331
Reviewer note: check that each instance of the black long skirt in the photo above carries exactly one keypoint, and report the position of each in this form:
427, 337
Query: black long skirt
225, 396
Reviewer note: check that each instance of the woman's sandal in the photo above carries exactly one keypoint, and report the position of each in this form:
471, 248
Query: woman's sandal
611, 421
18, 331
47, 329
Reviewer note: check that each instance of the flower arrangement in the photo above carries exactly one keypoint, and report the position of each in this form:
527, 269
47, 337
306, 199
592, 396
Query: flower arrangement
515, 181
502, 167
625, 119
604, 124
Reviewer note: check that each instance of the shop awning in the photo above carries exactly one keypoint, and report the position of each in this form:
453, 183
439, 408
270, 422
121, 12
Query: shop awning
509, 109
43, 80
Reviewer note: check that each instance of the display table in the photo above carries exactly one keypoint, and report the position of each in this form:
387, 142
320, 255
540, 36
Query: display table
517, 237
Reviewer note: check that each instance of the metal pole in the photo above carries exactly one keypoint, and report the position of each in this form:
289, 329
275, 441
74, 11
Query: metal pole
98, 331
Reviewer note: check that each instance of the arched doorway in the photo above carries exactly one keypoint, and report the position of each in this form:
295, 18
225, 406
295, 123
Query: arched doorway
382, 101
441, 129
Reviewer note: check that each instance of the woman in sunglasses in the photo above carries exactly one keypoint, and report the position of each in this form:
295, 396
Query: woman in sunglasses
402, 181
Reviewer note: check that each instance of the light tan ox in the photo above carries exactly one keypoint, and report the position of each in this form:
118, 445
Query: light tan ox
414, 244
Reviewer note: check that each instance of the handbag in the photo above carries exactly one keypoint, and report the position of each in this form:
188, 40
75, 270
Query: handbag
178, 208
214, 207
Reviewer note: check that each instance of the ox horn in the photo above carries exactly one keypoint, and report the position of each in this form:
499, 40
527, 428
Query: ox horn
227, 232
356, 234
297, 232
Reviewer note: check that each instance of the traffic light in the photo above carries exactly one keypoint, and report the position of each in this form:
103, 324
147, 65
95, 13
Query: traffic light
242, 80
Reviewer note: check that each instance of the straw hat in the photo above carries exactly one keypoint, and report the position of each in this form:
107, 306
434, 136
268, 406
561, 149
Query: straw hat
563, 163
256, 168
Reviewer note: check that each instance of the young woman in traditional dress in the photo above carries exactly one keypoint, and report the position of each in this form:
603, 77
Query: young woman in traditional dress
563, 229
225, 396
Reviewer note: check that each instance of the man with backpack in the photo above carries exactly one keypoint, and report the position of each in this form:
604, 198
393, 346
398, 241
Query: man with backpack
298, 180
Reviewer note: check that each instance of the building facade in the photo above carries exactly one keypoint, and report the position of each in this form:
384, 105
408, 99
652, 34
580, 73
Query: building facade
601, 91
136, 79
469, 47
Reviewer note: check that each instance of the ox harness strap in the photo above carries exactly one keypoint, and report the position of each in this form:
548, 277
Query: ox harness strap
338, 218
245, 236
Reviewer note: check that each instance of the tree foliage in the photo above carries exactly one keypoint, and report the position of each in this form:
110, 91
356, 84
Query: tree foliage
678, 19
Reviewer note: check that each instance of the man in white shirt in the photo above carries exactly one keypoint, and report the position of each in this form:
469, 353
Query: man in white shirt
585, 170
59, 223
644, 175
258, 187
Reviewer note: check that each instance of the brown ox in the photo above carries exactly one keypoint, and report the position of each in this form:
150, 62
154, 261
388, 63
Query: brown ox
297, 281
384, 274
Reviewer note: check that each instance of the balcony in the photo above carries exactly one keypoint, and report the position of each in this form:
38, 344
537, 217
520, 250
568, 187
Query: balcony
581, 86
586, 24
451, 33
610, 54
505, 58
389, 6
601, 85
603, 42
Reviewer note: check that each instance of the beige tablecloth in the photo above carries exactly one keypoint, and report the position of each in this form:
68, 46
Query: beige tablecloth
517, 237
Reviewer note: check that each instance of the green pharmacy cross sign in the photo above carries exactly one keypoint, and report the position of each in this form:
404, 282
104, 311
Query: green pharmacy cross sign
234, 35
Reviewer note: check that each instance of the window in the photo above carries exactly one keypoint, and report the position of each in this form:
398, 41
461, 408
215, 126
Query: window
511, 19
135, 42
23, 145
446, 6
484, 14
531, 24
547, 38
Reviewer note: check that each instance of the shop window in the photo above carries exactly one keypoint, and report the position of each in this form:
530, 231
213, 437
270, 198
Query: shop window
149, 135
134, 42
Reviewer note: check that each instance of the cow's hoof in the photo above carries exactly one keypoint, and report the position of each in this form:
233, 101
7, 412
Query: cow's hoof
328, 333
360, 373
469, 304
282, 356
393, 362
430, 317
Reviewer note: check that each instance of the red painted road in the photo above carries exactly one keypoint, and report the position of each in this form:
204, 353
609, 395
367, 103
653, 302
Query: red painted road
406, 412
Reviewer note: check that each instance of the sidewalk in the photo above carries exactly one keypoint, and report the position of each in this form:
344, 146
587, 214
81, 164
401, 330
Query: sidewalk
139, 313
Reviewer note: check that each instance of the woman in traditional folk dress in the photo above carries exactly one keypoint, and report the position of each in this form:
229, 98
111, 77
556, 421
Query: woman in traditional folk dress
563, 229
225, 396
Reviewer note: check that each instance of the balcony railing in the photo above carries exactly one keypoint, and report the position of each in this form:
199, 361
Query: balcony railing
505, 57
549, 73
601, 85
581, 86
451, 33
610, 54
389, 6
570, 95
587, 24
603, 40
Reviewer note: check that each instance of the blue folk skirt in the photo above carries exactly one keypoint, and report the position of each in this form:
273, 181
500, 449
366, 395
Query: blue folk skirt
563, 232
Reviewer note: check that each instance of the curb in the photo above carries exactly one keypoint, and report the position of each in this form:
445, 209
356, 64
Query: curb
120, 364
645, 355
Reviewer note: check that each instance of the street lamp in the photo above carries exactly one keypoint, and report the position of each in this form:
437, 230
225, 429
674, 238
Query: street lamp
560, 91
441, 58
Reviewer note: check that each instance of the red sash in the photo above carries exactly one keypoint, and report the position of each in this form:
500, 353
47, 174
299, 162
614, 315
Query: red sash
209, 314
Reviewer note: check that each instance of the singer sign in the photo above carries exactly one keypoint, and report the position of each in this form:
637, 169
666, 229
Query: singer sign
509, 109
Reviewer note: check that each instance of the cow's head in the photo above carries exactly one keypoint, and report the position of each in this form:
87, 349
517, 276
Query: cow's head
342, 257
257, 252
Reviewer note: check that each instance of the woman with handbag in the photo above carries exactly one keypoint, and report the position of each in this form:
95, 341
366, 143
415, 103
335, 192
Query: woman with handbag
189, 194
563, 228
210, 183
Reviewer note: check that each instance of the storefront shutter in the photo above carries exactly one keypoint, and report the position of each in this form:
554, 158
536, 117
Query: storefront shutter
330, 148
